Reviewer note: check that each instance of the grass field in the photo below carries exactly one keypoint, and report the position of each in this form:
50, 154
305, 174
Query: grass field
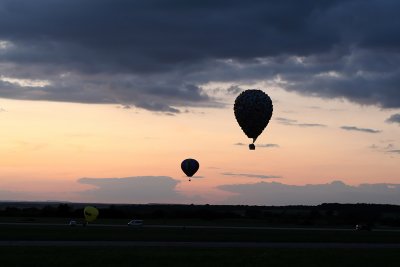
64, 256
186, 221
64, 232
100, 256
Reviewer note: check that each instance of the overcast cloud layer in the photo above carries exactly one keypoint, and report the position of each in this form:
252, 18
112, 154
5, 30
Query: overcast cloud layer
158, 55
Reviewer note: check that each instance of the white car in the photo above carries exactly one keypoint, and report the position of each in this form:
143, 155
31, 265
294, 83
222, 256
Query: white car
72, 223
135, 223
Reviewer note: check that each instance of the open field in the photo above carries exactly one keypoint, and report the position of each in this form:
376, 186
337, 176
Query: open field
114, 245
202, 234
126, 256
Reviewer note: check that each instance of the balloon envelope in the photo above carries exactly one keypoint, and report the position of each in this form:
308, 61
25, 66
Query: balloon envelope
253, 110
90, 213
190, 166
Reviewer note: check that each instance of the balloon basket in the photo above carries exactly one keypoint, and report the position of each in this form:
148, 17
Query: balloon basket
252, 147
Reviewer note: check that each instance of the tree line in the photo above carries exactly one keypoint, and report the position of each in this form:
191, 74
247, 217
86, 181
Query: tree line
323, 215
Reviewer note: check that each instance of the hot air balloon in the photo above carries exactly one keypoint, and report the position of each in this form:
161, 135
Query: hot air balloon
90, 213
190, 167
253, 110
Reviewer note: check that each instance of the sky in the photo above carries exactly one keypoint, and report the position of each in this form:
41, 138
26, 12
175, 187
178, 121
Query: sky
101, 100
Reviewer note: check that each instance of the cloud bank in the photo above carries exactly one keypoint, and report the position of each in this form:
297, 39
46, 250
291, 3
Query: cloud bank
138, 189
273, 193
163, 189
159, 56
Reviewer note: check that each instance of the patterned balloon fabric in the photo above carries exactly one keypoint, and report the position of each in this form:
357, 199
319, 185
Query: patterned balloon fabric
253, 110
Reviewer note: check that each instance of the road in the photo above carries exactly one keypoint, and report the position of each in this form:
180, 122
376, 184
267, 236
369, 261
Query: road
197, 244
201, 227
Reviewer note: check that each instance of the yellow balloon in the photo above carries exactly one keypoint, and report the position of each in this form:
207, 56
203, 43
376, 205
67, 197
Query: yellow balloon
90, 213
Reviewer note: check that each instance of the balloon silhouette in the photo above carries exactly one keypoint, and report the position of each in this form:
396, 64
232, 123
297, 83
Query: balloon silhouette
90, 213
253, 110
190, 167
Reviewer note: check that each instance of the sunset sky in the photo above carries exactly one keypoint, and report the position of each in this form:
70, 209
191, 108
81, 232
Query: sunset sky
101, 100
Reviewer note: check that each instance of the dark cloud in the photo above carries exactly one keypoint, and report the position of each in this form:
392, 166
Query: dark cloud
273, 193
395, 118
267, 145
150, 96
386, 148
235, 89
291, 122
357, 129
157, 55
311, 125
139, 189
286, 121
250, 175
259, 145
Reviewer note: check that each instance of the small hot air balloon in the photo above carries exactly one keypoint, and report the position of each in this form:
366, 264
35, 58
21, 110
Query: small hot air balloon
253, 110
90, 213
190, 167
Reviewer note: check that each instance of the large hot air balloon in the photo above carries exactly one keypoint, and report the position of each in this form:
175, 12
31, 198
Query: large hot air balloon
90, 213
253, 110
190, 167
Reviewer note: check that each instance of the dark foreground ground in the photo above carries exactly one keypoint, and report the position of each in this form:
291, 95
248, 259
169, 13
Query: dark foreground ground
155, 256
110, 232
29, 244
